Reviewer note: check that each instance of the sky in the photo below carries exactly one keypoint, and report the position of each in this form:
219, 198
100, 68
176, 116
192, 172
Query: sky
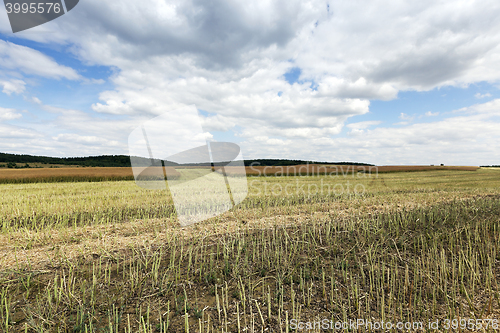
382, 82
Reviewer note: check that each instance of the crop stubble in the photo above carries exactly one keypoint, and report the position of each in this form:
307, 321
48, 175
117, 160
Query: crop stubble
414, 246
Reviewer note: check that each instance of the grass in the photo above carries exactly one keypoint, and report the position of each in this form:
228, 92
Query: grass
411, 247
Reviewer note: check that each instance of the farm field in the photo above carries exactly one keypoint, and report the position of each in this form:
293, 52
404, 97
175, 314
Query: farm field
91, 174
109, 256
69, 174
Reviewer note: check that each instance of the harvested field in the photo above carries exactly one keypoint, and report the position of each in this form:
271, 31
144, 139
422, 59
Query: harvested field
410, 168
338, 170
70, 174
86, 174
305, 170
110, 257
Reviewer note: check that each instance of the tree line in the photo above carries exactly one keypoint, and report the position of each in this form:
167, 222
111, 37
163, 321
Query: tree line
124, 161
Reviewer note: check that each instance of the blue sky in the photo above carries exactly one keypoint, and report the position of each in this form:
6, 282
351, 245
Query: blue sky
327, 81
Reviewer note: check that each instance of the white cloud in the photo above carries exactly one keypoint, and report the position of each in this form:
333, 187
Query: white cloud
229, 58
13, 86
360, 88
36, 100
85, 139
217, 123
32, 62
17, 139
361, 127
469, 137
406, 119
69, 133
431, 114
364, 124
404, 116
249, 100
479, 95
482, 110
406, 45
9, 114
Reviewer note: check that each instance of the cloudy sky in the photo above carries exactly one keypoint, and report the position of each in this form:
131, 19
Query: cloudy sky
384, 82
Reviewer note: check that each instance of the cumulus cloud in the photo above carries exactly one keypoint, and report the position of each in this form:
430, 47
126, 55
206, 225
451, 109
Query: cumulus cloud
364, 124
13, 86
361, 88
15, 136
85, 139
217, 123
32, 62
70, 133
9, 114
469, 137
230, 57
250, 100
215, 35
359, 128
407, 45
482, 110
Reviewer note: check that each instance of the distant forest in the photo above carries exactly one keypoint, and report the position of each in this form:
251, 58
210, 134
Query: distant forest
124, 161
91, 161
